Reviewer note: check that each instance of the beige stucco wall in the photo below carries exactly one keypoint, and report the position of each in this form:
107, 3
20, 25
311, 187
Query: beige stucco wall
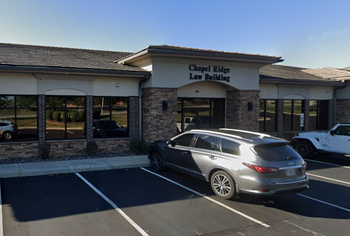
272, 91
170, 73
15, 83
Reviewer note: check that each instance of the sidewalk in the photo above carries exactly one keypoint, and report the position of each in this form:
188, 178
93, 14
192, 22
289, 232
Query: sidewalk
71, 166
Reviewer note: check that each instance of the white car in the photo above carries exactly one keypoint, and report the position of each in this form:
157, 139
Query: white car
335, 141
7, 129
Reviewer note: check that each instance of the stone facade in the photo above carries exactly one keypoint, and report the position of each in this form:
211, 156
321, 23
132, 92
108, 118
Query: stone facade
343, 111
19, 150
242, 110
159, 122
134, 118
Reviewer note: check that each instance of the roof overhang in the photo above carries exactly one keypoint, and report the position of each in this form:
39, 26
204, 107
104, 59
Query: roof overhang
181, 52
72, 71
274, 80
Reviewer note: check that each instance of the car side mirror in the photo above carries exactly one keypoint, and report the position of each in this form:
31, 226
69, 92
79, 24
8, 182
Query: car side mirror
172, 143
332, 132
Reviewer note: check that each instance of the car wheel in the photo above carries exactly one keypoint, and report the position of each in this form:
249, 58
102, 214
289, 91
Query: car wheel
157, 162
223, 184
7, 135
305, 148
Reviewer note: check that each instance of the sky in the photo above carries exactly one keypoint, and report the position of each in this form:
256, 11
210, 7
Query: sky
305, 33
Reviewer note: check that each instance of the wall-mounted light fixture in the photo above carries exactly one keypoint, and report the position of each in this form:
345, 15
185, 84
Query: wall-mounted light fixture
250, 106
117, 85
165, 105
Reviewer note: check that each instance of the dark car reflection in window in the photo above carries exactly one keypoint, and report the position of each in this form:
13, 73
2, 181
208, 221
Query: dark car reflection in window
108, 128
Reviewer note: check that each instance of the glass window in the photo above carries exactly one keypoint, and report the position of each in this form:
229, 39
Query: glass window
184, 140
110, 117
65, 117
22, 112
230, 147
208, 142
342, 130
200, 113
268, 116
318, 115
275, 152
292, 110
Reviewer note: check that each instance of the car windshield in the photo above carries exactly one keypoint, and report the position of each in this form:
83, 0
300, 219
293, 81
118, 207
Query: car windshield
275, 151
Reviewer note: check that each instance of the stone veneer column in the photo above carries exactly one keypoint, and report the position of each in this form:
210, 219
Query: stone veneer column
41, 120
89, 119
342, 111
238, 116
134, 118
159, 124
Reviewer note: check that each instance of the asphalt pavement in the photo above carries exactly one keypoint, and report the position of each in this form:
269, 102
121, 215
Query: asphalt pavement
71, 166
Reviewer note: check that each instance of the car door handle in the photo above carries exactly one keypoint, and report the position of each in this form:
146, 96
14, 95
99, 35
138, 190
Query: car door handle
183, 152
213, 157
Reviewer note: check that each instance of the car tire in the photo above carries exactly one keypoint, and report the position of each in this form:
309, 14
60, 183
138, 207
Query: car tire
157, 161
7, 135
305, 148
223, 185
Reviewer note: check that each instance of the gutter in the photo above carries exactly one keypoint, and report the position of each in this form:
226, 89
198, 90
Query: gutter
72, 71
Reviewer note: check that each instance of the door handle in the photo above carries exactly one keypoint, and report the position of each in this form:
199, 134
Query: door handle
212, 157
183, 152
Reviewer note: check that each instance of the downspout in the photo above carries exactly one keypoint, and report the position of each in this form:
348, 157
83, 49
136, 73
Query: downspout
141, 83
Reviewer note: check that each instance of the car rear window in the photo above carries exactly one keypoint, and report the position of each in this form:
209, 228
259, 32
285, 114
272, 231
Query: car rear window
275, 151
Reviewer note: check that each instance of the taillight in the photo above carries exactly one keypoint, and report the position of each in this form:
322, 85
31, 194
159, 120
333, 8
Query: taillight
303, 166
261, 169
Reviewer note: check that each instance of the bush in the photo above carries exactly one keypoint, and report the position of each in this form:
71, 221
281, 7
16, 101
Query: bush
73, 115
81, 115
97, 113
138, 147
56, 115
63, 116
91, 149
44, 151
48, 115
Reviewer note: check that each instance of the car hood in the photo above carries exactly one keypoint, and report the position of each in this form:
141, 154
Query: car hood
313, 134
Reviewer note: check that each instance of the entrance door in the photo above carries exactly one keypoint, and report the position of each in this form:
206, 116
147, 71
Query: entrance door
200, 113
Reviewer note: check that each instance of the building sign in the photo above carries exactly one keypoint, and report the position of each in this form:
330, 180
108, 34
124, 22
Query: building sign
210, 73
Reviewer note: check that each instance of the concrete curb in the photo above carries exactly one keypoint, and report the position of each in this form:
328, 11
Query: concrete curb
72, 166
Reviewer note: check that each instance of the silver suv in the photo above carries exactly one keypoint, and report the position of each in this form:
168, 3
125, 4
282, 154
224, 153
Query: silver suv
234, 161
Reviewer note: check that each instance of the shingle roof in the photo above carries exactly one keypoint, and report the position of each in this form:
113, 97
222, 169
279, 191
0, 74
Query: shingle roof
57, 57
330, 73
290, 74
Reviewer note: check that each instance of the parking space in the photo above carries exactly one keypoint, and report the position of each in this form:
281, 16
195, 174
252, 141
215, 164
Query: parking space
140, 201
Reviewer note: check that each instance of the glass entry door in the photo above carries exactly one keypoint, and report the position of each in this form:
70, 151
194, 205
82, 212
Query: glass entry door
194, 113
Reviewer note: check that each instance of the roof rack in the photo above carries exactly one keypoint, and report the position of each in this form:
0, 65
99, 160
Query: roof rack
260, 135
215, 132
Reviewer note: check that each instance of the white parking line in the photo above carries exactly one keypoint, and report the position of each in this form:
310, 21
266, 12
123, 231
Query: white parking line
1, 222
126, 217
209, 199
335, 180
326, 163
327, 203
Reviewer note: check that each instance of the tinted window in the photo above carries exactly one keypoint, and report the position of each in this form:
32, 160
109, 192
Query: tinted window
275, 152
184, 140
208, 142
230, 147
342, 130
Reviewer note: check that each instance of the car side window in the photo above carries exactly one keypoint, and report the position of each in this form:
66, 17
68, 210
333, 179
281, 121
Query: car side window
208, 142
184, 140
342, 130
230, 147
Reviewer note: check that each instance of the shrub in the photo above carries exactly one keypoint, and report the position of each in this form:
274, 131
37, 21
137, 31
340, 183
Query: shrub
73, 115
81, 115
44, 151
48, 115
91, 149
138, 147
63, 116
56, 115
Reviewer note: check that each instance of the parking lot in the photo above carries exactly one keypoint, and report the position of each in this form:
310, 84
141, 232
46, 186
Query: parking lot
140, 201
